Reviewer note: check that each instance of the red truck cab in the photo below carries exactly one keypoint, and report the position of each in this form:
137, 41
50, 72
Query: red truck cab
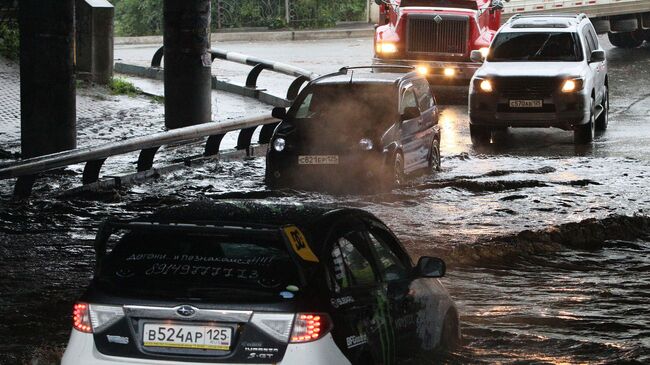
436, 36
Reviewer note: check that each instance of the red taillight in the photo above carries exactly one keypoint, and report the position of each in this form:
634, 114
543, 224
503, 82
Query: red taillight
81, 317
310, 327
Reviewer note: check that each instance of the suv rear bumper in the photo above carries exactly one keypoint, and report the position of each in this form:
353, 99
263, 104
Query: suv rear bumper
81, 350
463, 70
564, 111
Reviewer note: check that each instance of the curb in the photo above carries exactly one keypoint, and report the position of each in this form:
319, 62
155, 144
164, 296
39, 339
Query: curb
299, 35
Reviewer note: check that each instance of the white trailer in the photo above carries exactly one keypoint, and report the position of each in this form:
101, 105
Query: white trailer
627, 22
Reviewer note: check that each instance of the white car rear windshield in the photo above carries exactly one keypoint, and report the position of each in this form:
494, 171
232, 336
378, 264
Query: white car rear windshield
536, 46
183, 265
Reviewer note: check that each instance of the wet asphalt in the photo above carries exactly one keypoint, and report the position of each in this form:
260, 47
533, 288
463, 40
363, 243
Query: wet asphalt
532, 284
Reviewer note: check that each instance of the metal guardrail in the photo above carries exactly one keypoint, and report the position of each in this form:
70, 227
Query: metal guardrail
259, 65
26, 171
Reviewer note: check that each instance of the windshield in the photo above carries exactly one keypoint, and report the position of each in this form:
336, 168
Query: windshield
350, 107
183, 265
535, 46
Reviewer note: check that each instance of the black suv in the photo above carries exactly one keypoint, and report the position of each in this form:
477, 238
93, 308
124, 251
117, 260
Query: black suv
356, 126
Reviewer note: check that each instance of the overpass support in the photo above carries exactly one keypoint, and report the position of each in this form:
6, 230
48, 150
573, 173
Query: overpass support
47, 81
188, 81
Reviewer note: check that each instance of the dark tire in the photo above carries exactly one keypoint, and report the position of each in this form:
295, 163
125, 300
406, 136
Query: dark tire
450, 338
481, 135
434, 157
585, 133
398, 177
625, 40
603, 120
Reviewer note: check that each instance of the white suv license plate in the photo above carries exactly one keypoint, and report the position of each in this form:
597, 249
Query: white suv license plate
526, 103
187, 336
318, 160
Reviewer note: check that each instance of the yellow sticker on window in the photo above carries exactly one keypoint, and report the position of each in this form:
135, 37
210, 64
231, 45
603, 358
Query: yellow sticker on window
299, 243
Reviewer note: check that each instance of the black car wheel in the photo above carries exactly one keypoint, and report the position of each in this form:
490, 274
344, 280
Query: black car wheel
603, 119
450, 335
481, 135
585, 133
434, 157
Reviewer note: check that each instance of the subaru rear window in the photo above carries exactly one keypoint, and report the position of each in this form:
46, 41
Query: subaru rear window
183, 265
536, 46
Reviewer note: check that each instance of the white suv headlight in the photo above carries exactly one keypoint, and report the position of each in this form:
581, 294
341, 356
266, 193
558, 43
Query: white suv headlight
572, 85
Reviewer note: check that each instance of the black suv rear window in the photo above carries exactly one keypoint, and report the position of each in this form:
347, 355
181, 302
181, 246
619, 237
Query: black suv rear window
183, 265
536, 46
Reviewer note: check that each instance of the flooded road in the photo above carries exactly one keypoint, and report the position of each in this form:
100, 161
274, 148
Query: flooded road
548, 244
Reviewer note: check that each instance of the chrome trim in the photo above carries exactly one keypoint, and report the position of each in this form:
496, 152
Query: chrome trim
170, 313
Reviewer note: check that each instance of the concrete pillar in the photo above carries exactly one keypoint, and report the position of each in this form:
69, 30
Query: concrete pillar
94, 40
188, 77
47, 80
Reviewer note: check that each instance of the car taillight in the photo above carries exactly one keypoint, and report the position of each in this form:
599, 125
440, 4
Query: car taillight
91, 318
310, 327
81, 317
103, 316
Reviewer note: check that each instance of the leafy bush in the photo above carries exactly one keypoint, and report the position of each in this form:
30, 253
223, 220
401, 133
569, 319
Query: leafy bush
9, 41
120, 86
145, 17
138, 17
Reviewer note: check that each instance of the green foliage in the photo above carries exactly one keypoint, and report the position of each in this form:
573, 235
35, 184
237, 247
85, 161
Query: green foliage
145, 17
122, 87
9, 41
138, 17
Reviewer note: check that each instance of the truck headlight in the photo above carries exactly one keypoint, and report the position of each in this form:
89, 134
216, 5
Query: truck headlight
386, 48
279, 144
366, 144
572, 85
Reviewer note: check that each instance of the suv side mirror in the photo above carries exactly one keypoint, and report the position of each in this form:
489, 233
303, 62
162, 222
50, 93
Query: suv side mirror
476, 56
430, 267
597, 56
411, 112
279, 113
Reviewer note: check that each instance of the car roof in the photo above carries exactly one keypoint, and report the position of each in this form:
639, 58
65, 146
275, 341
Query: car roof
365, 77
544, 22
248, 217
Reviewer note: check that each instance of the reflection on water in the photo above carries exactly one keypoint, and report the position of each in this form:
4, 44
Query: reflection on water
570, 307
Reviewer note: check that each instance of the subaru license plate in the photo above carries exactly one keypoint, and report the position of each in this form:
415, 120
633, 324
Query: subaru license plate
187, 336
318, 160
526, 103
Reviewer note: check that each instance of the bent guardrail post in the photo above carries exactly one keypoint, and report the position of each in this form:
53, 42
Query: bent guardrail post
26, 171
259, 65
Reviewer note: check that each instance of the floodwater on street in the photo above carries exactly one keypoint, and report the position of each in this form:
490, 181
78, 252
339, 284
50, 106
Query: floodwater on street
548, 244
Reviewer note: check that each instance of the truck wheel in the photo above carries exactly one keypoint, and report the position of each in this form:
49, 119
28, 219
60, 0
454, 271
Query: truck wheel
481, 135
584, 134
434, 159
603, 120
625, 40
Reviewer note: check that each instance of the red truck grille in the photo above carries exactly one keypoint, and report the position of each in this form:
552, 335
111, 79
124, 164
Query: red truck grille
437, 34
